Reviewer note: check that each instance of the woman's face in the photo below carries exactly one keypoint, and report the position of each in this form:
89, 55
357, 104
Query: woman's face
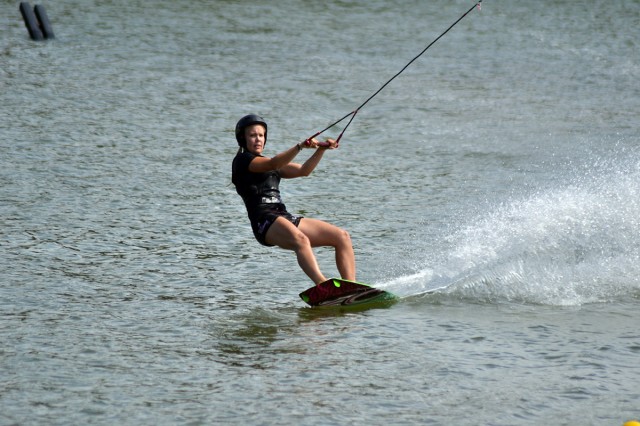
254, 135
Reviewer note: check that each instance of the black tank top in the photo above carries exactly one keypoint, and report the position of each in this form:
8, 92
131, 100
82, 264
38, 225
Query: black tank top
256, 189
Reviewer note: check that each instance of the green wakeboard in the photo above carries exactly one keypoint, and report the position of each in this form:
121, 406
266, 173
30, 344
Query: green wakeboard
339, 292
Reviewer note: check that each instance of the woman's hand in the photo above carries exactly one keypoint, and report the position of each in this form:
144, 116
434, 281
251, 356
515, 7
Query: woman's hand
328, 144
314, 143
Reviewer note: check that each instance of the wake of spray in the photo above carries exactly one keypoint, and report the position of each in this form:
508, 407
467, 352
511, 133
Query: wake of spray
567, 246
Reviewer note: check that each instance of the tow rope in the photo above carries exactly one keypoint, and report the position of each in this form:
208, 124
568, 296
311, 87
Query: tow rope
353, 113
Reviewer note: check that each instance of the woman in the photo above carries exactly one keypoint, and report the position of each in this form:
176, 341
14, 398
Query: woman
257, 180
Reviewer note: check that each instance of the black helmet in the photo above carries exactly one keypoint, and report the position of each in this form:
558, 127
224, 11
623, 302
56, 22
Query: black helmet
246, 121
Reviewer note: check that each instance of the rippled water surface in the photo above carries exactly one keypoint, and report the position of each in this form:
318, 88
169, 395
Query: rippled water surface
502, 167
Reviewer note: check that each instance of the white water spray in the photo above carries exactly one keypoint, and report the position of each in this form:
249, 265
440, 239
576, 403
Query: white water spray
567, 246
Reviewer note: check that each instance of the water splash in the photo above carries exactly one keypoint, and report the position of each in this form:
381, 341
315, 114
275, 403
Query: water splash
570, 245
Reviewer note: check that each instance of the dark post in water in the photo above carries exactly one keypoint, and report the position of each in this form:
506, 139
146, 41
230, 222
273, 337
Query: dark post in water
37, 21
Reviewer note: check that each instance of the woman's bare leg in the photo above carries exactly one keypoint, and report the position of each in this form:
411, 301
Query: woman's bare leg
286, 235
321, 233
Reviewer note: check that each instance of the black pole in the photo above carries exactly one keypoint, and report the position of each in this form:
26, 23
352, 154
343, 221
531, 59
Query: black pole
45, 25
31, 21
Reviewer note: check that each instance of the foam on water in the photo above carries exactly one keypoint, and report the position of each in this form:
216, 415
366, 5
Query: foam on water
573, 244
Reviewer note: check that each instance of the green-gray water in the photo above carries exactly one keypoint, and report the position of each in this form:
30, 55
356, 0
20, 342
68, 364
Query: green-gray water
503, 163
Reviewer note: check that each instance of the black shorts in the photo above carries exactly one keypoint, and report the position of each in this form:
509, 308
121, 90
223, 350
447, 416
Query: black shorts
267, 217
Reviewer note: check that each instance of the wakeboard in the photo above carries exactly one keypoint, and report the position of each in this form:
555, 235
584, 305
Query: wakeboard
339, 292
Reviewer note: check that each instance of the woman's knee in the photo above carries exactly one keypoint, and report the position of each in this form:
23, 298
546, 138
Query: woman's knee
300, 240
344, 238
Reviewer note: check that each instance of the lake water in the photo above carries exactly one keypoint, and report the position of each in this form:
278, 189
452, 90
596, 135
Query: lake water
503, 164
